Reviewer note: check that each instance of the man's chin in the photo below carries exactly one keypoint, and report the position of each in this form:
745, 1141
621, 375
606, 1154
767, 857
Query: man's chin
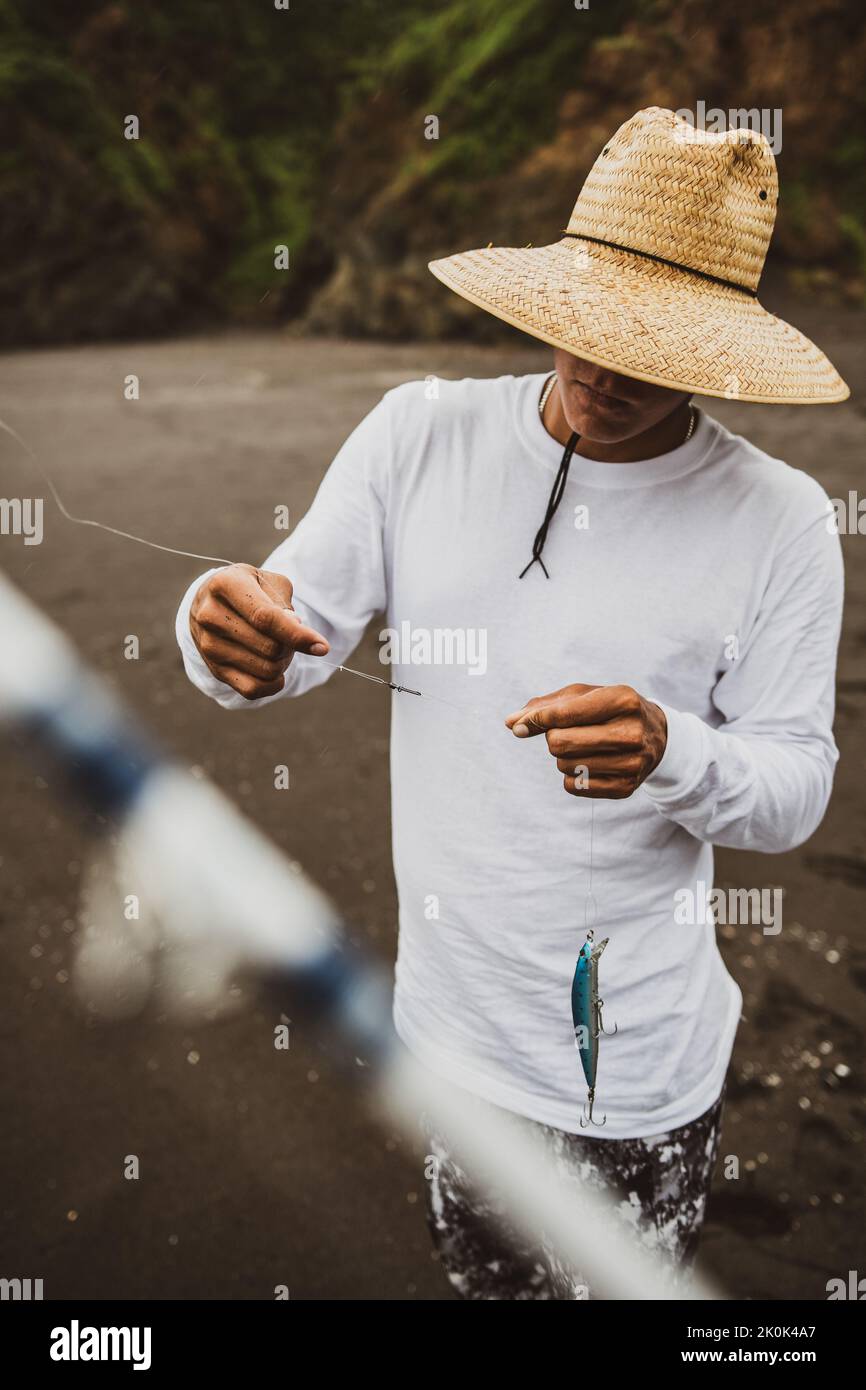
600, 428
606, 419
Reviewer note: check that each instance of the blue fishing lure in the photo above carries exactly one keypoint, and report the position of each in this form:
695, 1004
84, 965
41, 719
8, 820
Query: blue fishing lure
586, 1007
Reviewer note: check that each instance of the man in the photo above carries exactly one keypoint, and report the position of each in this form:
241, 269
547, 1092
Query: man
665, 646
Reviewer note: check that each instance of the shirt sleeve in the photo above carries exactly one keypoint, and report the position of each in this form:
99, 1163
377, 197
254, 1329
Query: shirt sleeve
335, 559
761, 780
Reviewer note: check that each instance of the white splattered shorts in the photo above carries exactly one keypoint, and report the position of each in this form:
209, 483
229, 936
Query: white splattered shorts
662, 1183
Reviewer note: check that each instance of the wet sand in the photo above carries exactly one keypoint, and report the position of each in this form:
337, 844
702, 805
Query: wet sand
260, 1167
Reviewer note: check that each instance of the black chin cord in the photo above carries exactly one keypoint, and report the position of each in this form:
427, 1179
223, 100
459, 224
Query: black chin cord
553, 502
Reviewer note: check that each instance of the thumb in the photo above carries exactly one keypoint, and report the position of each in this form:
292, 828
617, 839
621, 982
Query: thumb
288, 629
528, 721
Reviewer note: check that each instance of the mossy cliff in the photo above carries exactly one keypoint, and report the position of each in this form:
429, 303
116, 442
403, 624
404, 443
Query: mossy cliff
307, 127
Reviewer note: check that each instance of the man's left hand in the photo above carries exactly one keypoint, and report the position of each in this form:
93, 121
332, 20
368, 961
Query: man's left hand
606, 739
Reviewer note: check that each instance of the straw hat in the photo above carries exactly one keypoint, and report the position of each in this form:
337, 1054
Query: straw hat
657, 274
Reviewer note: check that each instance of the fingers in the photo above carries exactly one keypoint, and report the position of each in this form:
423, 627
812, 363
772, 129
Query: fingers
602, 703
574, 705
277, 586
245, 684
618, 736
600, 788
612, 766
222, 651
603, 765
606, 739
533, 718
247, 632
241, 588
525, 723
609, 775
214, 617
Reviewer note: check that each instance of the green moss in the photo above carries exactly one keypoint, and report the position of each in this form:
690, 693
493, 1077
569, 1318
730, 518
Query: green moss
247, 112
797, 204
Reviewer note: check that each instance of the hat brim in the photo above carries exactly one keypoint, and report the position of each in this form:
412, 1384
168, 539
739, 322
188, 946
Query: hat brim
645, 319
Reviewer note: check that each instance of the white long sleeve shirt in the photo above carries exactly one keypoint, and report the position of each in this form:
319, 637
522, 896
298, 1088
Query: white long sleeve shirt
710, 580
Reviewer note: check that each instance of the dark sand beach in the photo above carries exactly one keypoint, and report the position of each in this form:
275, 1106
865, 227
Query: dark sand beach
261, 1167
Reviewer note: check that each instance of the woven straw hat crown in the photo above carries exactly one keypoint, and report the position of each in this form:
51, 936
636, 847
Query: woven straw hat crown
696, 198
656, 275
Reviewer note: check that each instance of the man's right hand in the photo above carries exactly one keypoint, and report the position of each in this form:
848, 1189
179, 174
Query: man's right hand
243, 624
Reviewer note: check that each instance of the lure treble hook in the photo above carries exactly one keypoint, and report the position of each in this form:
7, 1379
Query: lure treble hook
587, 1118
608, 1032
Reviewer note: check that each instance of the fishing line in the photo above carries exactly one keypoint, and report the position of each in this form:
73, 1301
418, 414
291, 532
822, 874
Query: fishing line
392, 685
100, 525
216, 559
590, 906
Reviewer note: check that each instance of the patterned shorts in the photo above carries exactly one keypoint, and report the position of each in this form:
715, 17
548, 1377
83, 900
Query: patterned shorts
662, 1183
